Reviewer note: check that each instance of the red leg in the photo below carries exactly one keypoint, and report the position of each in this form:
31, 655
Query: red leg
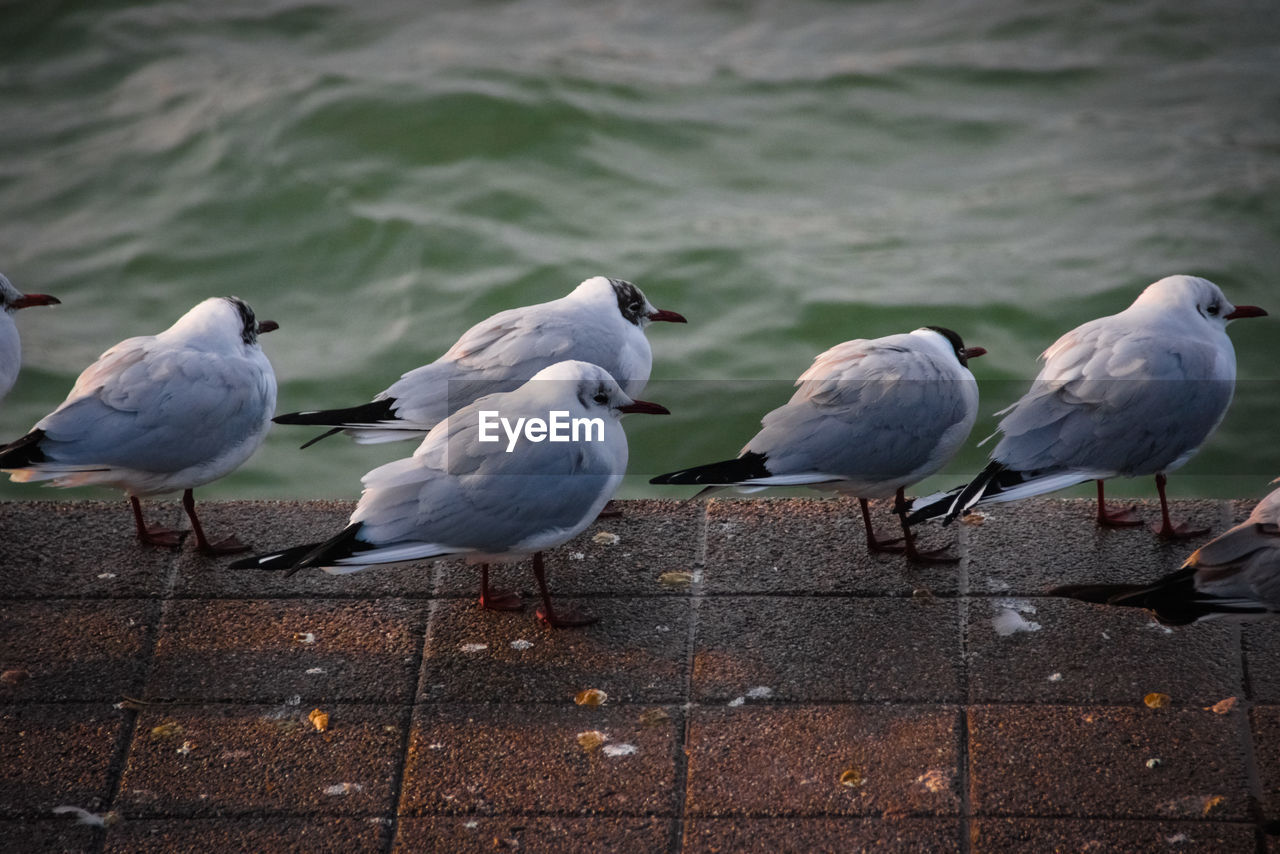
157, 536
914, 556
567, 617
873, 544
229, 546
1167, 529
1118, 519
494, 600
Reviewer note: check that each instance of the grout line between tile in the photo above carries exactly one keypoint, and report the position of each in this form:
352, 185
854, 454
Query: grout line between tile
675, 842
962, 747
120, 761
392, 822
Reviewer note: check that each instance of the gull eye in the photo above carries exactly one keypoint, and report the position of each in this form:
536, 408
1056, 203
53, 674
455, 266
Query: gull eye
601, 398
1214, 308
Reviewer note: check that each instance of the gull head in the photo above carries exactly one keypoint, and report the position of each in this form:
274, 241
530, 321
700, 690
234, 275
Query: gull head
591, 386
1194, 297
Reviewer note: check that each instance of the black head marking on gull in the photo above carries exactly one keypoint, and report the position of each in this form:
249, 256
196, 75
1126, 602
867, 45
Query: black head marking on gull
630, 300
249, 324
589, 393
956, 343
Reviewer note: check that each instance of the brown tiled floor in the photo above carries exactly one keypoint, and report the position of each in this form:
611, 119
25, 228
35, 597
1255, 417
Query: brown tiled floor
770, 687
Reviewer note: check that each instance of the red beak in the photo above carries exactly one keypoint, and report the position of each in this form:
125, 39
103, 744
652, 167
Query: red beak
265, 326
646, 407
34, 299
669, 316
1245, 311
974, 352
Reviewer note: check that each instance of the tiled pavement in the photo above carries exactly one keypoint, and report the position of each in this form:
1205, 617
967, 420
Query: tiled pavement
770, 687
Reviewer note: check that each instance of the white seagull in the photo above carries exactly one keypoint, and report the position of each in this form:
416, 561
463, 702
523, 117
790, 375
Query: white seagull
869, 418
160, 413
490, 499
602, 321
1135, 393
12, 299
1236, 574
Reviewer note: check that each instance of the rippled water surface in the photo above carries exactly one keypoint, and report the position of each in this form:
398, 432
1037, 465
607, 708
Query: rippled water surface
379, 176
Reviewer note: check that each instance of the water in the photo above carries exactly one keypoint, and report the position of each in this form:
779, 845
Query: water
379, 176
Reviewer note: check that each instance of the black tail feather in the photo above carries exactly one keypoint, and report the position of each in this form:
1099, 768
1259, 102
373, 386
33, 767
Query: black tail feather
23, 452
1173, 599
325, 553
325, 435
746, 467
365, 413
933, 509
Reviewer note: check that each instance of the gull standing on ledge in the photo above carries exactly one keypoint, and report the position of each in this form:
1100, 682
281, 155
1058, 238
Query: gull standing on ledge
1236, 574
870, 418
463, 495
12, 299
601, 321
160, 413
1135, 393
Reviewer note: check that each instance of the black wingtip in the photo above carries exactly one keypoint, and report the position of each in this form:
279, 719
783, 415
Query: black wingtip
23, 452
365, 413
325, 435
1172, 600
746, 467
344, 544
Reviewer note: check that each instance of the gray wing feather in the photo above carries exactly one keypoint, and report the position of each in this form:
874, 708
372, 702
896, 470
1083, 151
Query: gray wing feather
867, 411
1127, 404
135, 408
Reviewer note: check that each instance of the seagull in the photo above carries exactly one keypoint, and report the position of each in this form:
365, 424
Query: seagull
13, 299
159, 413
1135, 393
1236, 574
868, 419
462, 494
602, 321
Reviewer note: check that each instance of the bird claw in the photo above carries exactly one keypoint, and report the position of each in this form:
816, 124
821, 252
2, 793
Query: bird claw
227, 546
565, 618
1120, 519
163, 537
875, 544
938, 555
611, 510
498, 600
1179, 531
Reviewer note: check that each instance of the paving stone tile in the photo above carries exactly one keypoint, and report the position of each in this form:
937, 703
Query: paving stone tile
1028, 547
229, 760
1265, 721
63, 834
272, 525
82, 548
654, 536
1261, 639
56, 755
59, 649
807, 835
277, 835
790, 760
553, 835
1092, 762
498, 759
808, 545
637, 652
1064, 651
1033, 836
266, 650
827, 649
